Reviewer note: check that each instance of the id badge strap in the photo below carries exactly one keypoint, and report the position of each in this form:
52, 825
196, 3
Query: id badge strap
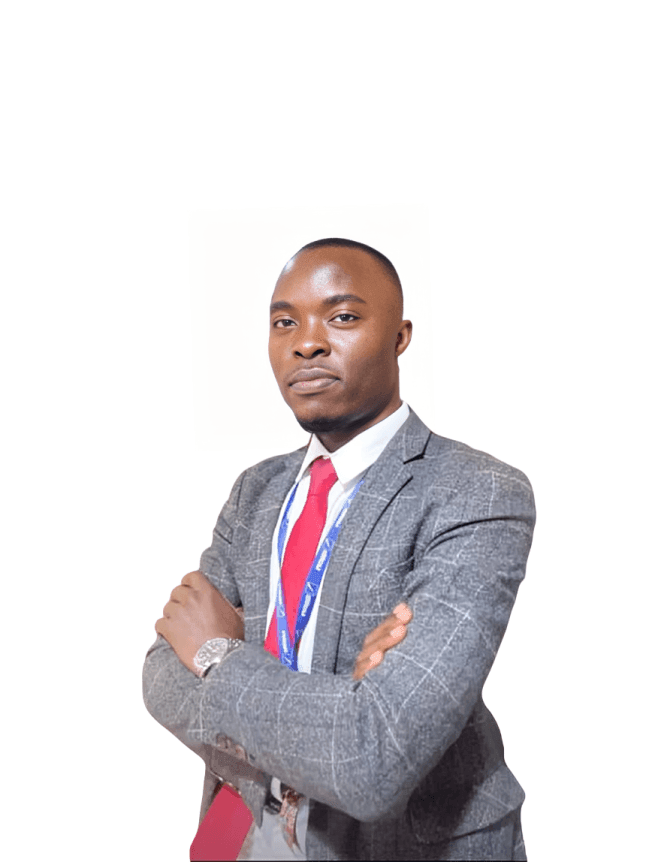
288, 648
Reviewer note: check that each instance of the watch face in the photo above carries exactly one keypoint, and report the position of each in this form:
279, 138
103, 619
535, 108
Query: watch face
214, 650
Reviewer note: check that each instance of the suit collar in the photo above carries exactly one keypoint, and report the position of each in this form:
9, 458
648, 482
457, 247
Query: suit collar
411, 439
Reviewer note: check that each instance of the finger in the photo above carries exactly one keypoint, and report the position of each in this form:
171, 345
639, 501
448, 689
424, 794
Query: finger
193, 579
180, 594
402, 613
171, 609
390, 634
383, 643
363, 666
391, 626
384, 637
380, 631
160, 627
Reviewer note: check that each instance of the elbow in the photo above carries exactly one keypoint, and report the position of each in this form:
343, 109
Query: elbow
152, 691
171, 694
158, 685
370, 812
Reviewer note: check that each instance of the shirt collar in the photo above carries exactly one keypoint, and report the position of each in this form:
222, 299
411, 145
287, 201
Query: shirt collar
358, 454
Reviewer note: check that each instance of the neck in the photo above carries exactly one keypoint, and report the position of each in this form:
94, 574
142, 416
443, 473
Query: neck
334, 440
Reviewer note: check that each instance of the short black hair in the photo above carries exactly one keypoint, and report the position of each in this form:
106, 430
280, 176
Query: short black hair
338, 242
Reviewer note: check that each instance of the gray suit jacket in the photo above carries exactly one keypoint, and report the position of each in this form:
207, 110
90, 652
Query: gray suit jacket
408, 758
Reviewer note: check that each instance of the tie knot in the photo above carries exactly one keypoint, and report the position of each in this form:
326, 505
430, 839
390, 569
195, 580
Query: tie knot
322, 477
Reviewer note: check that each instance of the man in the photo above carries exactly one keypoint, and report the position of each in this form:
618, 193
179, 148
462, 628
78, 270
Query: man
378, 745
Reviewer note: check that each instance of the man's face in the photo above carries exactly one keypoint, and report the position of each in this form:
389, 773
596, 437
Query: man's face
335, 336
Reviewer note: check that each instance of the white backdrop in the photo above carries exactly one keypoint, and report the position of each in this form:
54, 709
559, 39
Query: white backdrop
161, 162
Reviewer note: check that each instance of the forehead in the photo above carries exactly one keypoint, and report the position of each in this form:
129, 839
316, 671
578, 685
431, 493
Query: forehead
316, 274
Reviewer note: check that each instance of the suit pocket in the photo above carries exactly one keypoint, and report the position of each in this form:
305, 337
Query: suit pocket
223, 530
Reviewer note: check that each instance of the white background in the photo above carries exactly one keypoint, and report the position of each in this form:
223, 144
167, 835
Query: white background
160, 163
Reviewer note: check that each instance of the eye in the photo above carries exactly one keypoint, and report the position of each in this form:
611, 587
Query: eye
283, 323
345, 317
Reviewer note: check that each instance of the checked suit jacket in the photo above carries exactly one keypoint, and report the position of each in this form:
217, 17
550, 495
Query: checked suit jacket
406, 760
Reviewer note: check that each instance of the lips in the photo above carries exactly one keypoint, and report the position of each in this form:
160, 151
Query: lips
311, 379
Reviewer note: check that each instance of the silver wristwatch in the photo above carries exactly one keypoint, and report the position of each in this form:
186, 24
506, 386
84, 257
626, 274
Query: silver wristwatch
213, 652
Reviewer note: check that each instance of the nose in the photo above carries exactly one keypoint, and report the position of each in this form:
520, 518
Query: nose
311, 341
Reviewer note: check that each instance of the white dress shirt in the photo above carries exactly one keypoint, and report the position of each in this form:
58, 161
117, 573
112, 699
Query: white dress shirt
351, 461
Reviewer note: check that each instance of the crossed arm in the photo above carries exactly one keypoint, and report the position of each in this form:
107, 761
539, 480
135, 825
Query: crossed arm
363, 744
197, 612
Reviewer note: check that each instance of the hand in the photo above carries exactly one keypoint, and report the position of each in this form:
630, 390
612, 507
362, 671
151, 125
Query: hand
385, 636
197, 612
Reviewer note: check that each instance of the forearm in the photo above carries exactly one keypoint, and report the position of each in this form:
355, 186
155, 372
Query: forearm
169, 690
173, 696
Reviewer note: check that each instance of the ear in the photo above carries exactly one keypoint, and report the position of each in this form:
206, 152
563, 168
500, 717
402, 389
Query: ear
403, 337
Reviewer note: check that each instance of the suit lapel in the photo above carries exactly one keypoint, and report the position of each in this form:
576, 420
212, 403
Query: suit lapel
383, 481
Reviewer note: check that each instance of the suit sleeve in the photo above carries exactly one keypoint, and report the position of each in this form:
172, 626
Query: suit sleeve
362, 747
169, 688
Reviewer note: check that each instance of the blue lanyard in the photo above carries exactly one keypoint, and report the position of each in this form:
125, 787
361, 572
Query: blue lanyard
287, 648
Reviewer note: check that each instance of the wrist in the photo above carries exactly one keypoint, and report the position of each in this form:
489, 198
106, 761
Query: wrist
213, 652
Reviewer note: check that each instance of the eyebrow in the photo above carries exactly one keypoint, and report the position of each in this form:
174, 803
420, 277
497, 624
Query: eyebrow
281, 305
343, 297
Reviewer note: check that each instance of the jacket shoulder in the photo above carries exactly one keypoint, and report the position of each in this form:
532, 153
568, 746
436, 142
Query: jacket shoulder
430, 452
275, 471
460, 462
267, 469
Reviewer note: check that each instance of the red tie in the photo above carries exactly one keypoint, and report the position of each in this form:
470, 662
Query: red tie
225, 826
302, 545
